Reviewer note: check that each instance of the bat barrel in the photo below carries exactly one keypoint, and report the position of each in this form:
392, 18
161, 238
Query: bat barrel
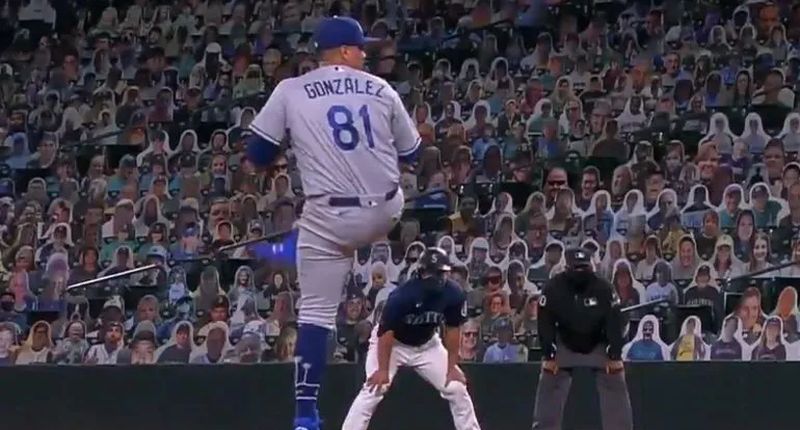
114, 276
642, 305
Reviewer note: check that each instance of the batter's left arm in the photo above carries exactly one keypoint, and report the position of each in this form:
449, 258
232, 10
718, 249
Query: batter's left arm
406, 136
455, 316
452, 340
269, 129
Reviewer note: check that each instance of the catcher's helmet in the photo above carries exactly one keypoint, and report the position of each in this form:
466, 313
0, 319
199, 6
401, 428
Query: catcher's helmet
435, 260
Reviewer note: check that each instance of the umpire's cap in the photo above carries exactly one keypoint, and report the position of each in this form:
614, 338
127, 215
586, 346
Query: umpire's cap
578, 259
435, 259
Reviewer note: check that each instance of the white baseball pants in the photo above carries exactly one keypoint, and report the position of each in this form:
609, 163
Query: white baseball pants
430, 362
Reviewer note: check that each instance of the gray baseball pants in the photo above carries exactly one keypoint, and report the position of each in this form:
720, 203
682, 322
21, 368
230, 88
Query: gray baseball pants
553, 390
328, 238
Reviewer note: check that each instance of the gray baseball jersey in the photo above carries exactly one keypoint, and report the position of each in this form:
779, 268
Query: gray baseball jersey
347, 127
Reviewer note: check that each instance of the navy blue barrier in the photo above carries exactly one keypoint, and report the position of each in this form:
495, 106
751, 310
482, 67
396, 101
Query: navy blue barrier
665, 396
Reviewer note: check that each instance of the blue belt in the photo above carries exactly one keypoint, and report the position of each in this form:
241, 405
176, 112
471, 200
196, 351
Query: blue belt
353, 202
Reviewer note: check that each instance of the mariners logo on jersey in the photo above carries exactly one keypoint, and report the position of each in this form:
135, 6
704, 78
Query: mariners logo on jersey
417, 309
424, 318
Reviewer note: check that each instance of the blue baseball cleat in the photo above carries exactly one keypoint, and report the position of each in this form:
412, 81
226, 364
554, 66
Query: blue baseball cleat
306, 424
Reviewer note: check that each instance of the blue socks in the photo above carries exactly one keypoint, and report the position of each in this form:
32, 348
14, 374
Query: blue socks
310, 355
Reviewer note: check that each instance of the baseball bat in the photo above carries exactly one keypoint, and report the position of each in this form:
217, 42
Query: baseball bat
114, 276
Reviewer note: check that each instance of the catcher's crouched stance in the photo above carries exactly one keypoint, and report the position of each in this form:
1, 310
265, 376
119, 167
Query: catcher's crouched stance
406, 336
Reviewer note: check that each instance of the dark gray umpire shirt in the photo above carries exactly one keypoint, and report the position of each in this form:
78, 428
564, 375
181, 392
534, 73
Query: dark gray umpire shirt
415, 310
580, 313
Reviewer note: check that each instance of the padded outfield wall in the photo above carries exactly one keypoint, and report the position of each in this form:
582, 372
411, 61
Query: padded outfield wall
665, 396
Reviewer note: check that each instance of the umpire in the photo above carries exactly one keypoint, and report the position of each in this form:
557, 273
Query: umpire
580, 326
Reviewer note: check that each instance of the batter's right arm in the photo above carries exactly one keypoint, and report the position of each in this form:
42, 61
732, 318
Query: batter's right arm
390, 320
385, 344
269, 129
380, 378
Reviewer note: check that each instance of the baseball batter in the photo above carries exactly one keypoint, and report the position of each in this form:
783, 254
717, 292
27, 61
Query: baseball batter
406, 336
348, 130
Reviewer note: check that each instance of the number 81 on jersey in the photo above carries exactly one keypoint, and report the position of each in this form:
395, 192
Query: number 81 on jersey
343, 126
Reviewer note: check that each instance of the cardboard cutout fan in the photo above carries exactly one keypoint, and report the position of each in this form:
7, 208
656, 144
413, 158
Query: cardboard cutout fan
730, 345
690, 346
772, 345
647, 344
